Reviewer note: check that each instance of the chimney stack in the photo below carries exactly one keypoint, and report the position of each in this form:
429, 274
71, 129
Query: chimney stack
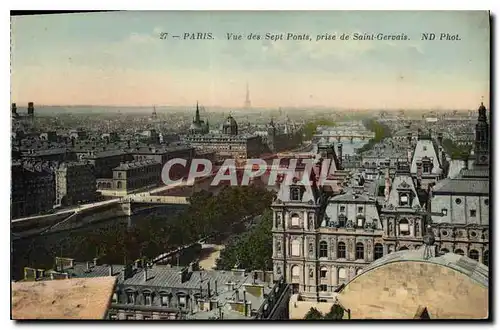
88, 266
31, 109
145, 274
215, 287
110, 270
245, 302
96, 262
237, 295
339, 148
208, 288
440, 138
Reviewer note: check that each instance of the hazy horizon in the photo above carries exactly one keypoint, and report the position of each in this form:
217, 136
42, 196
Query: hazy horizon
116, 59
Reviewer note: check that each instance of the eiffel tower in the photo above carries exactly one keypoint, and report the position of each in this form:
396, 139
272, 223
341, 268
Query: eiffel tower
248, 104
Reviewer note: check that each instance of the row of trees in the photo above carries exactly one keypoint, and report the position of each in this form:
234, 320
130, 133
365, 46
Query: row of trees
381, 131
151, 236
335, 313
251, 250
455, 151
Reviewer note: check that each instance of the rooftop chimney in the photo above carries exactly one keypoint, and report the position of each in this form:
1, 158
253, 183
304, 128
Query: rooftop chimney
110, 270
96, 262
208, 288
145, 274
215, 283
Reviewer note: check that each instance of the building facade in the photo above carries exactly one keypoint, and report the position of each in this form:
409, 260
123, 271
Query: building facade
75, 183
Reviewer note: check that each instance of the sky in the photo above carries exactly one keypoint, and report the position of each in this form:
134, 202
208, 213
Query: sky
118, 58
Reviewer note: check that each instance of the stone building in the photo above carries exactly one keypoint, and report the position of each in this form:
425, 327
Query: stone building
228, 144
105, 161
132, 176
461, 205
75, 183
32, 188
164, 292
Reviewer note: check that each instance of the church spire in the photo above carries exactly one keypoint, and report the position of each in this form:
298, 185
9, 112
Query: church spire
197, 118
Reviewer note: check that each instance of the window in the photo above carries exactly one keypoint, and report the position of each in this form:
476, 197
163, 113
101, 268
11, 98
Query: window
459, 252
486, 258
182, 302
295, 248
473, 234
342, 275
360, 209
473, 254
341, 250
473, 213
311, 273
342, 221
404, 227
360, 221
295, 273
458, 201
444, 233
119, 175
295, 194
323, 288
424, 148
119, 185
295, 220
378, 251
360, 251
403, 200
323, 272
164, 300
115, 297
427, 168
323, 249
444, 211
147, 298
130, 298
486, 202
342, 208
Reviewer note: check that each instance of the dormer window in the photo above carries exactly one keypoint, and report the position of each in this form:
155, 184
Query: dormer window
427, 168
404, 200
360, 209
342, 221
295, 194
342, 208
360, 221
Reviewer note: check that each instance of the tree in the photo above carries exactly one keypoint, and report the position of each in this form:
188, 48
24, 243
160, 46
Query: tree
335, 313
313, 314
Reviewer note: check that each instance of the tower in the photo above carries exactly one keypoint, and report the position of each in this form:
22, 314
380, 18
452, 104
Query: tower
154, 116
481, 146
248, 104
31, 110
197, 116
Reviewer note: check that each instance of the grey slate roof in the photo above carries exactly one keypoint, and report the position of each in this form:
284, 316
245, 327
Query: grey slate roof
132, 165
477, 186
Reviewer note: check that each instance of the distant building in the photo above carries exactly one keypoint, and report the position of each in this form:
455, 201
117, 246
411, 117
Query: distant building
132, 176
75, 183
105, 161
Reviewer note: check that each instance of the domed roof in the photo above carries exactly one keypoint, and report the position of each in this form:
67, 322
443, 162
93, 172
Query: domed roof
394, 287
230, 122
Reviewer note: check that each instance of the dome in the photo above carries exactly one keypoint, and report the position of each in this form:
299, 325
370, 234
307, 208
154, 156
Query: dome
230, 126
397, 285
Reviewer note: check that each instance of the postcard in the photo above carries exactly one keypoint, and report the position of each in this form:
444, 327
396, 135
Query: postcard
250, 165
